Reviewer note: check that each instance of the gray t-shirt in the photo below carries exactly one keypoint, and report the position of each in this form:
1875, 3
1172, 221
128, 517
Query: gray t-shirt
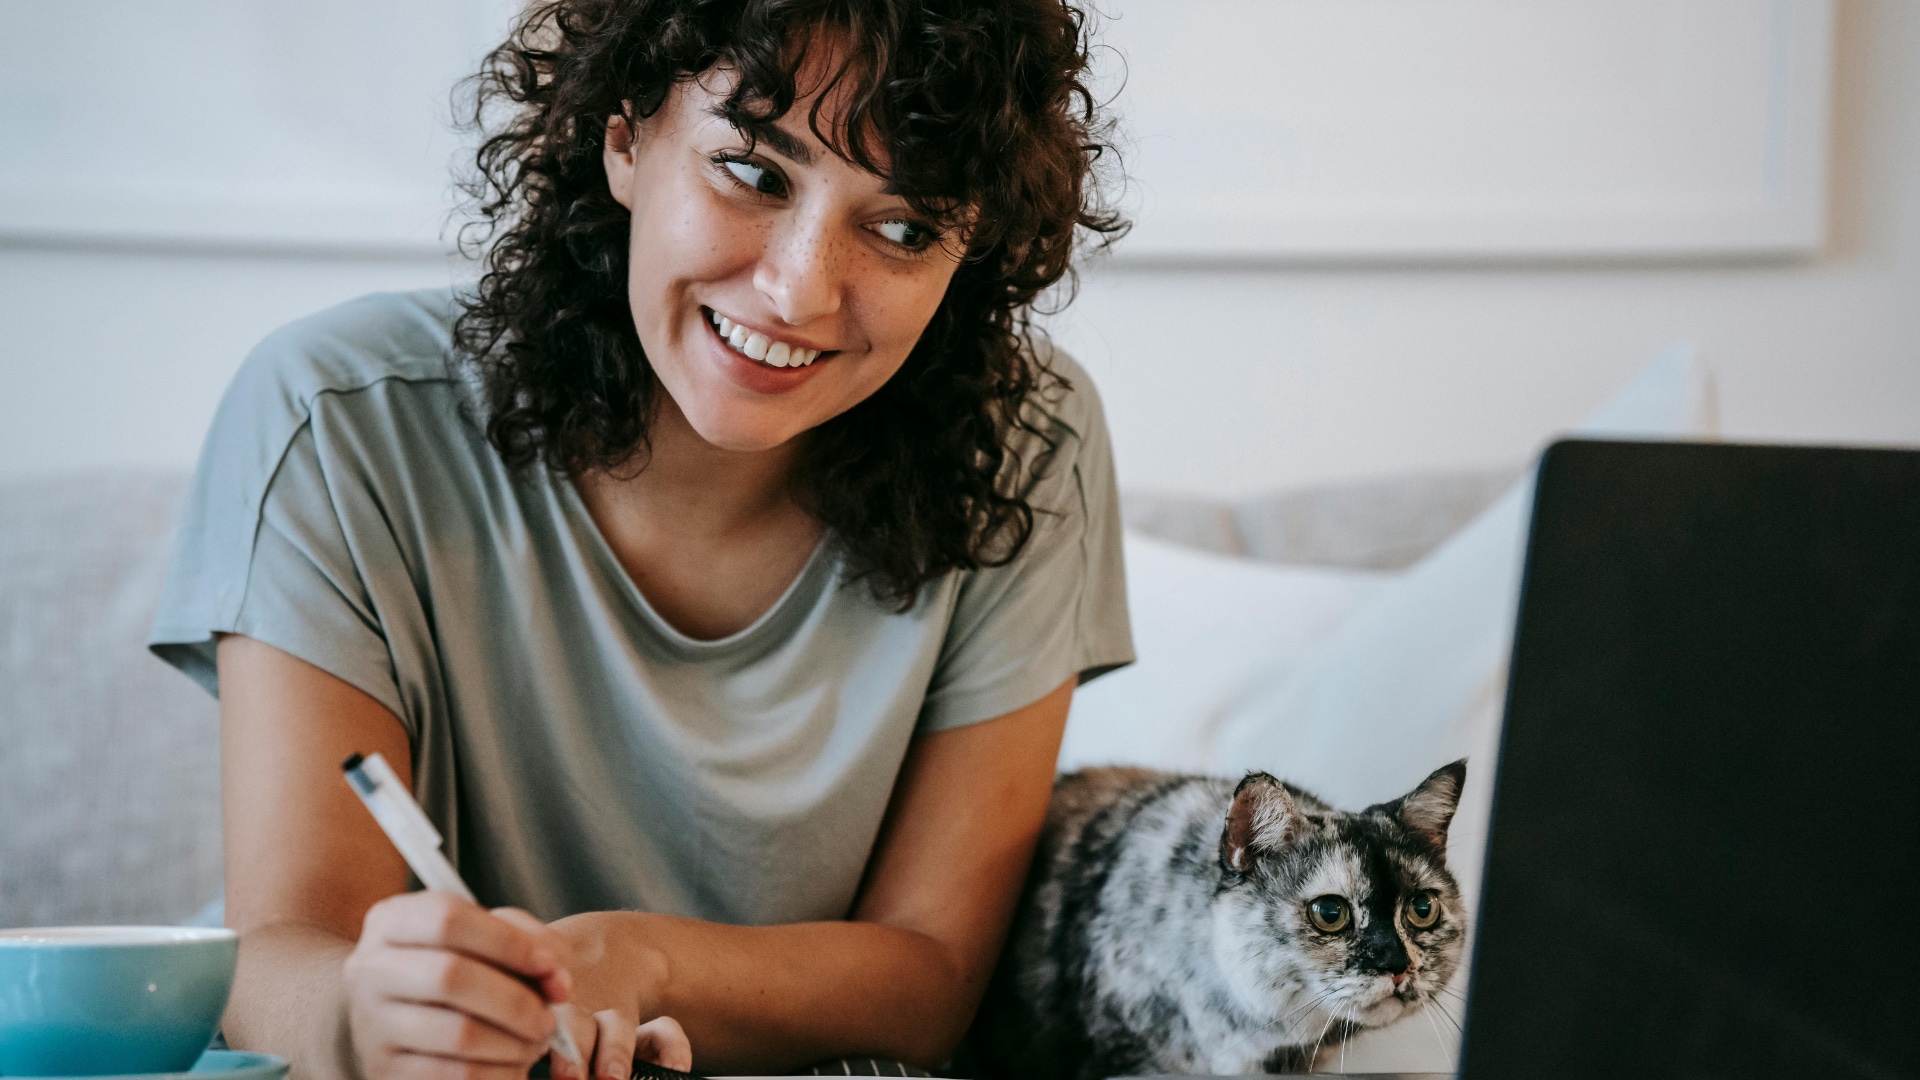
578, 753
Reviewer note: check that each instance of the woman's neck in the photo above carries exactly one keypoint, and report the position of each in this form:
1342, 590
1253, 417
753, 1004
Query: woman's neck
711, 537
693, 487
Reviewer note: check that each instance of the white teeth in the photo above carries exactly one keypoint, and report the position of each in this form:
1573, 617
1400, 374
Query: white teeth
760, 347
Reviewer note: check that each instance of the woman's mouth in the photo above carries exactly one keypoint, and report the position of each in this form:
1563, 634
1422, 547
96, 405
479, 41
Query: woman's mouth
758, 347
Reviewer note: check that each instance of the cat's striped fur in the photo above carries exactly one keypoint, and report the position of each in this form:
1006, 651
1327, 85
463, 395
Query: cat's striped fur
1166, 926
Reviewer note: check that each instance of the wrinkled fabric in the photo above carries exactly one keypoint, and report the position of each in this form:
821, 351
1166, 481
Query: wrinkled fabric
577, 752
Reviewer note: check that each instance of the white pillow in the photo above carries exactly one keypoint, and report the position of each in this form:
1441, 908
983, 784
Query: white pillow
1416, 677
1205, 626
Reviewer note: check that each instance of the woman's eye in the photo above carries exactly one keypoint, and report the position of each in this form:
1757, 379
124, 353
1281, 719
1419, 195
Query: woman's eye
907, 234
758, 177
1422, 911
1330, 913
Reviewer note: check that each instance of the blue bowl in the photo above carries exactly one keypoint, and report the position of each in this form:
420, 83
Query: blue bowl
111, 1000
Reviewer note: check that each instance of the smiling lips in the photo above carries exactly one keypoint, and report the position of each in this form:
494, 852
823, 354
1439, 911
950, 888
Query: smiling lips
758, 346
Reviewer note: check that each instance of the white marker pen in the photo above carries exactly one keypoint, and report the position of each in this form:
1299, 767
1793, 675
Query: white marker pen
419, 842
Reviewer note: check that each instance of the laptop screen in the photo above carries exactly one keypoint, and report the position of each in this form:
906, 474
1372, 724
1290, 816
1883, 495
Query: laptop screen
1705, 849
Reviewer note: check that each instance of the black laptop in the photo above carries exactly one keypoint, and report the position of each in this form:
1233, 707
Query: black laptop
1705, 848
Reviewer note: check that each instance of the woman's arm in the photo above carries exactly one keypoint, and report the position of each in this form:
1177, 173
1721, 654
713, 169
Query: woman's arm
340, 972
900, 980
348, 976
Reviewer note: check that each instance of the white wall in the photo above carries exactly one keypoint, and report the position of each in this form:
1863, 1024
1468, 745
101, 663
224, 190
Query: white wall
1216, 379
1231, 381
114, 359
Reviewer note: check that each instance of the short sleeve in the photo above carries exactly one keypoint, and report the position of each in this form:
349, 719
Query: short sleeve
301, 589
281, 538
1059, 609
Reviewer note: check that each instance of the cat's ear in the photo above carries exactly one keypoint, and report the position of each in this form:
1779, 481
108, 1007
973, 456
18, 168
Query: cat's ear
1428, 809
1263, 818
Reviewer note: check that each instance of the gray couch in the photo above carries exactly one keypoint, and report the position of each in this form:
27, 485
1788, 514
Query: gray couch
110, 800
109, 785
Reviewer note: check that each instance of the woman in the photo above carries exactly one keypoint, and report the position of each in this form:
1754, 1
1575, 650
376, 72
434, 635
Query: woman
720, 568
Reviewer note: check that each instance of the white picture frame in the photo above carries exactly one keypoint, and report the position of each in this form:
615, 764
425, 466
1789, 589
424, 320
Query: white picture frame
1288, 131
1330, 131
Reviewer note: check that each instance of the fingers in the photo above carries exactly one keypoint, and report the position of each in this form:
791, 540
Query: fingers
398, 1039
439, 989
586, 1031
613, 1053
511, 940
443, 1033
611, 1042
557, 984
450, 980
664, 1042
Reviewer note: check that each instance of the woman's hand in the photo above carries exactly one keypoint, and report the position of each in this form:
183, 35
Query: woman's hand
623, 981
441, 989
610, 1042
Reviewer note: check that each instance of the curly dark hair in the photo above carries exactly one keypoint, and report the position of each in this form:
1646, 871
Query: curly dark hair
980, 108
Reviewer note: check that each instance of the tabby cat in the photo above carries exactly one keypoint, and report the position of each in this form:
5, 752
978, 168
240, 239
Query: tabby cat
1186, 924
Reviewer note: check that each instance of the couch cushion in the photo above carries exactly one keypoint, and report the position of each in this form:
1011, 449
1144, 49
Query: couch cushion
110, 805
1384, 524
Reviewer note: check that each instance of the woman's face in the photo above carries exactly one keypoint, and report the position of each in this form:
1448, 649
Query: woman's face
772, 288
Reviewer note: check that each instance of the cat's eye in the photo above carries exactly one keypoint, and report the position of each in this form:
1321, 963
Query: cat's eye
1423, 910
1330, 913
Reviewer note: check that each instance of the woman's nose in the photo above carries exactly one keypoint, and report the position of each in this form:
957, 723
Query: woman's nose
802, 270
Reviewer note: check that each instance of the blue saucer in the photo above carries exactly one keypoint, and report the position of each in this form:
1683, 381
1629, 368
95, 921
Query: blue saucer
238, 1065
215, 1065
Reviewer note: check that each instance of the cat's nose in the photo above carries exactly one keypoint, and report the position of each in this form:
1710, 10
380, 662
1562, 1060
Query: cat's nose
1398, 978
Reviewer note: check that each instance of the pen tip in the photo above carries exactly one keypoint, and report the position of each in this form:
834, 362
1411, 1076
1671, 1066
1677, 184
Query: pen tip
352, 763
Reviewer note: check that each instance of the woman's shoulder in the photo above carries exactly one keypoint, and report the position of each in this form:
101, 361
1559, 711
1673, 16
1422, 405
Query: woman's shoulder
263, 440
1063, 437
364, 393
383, 340
1065, 398
353, 345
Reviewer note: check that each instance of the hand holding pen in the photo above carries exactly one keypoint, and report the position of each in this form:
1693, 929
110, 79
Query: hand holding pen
484, 948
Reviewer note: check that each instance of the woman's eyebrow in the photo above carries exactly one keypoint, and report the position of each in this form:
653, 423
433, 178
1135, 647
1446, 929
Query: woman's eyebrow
766, 131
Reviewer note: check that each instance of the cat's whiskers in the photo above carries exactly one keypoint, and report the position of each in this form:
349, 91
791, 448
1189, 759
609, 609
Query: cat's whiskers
1450, 1018
1441, 1040
1316, 999
1443, 1011
1315, 1052
1286, 1023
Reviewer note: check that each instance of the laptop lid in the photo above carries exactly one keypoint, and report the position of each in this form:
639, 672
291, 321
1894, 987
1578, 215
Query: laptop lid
1704, 857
